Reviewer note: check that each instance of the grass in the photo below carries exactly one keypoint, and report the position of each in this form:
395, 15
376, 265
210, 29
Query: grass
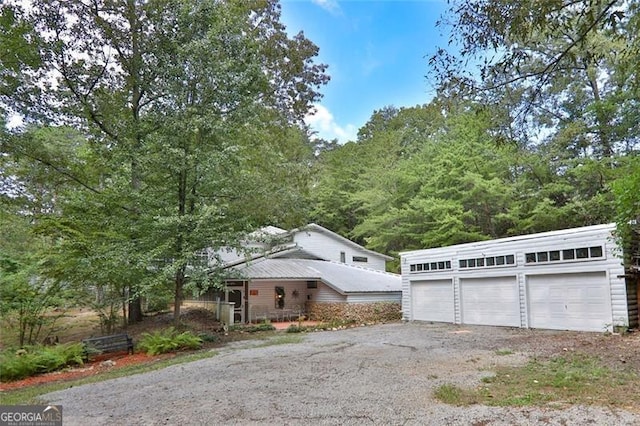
504, 352
577, 379
29, 395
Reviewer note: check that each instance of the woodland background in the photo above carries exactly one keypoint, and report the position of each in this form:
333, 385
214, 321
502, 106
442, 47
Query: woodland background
153, 129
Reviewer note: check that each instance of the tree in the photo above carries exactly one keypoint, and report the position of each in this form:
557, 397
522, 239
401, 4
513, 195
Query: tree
562, 67
167, 93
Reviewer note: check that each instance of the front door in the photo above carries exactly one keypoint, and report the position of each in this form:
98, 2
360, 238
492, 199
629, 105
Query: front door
236, 295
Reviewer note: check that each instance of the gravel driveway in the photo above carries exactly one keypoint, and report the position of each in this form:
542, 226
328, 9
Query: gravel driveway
383, 374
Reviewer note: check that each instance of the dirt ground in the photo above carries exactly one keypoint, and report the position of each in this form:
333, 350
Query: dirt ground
380, 374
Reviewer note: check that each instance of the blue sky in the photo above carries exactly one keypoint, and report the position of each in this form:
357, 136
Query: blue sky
377, 52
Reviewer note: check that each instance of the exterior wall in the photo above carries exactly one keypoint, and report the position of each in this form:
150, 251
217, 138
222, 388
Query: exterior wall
357, 313
267, 293
600, 235
374, 297
325, 294
330, 248
632, 300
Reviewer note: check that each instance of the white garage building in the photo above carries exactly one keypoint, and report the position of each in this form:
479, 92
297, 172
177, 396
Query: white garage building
567, 280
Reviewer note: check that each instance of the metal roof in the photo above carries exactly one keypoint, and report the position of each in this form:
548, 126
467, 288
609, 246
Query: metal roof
341, 277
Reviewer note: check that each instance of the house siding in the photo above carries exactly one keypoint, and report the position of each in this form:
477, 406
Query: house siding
601, 235
325, 294
329, 248
267, 293
374, 297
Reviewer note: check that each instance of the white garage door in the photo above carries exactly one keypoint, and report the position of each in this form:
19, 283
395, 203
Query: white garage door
432, 300
490, 301
580, 301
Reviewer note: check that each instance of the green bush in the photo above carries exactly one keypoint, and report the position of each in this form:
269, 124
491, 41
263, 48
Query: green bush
265, 326
168, 340
32, 360
296, 328
209, 338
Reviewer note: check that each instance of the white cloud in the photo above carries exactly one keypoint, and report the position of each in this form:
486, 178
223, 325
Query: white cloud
325, 126
331, 6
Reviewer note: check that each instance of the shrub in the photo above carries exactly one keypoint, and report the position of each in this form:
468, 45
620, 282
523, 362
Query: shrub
209, 338
296, 329
265, 326
168, 340
32, 360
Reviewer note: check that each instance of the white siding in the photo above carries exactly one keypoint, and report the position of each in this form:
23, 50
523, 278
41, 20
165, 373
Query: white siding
325, 294
374, 297
267, 293
609, 267
329, 248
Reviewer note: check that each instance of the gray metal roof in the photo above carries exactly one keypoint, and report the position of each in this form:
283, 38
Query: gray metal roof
343, 278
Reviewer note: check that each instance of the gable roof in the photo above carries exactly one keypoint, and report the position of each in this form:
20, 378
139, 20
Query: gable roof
341, 277
318, 228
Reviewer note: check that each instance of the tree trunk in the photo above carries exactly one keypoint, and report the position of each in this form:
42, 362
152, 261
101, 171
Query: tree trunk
177, 301
135, 310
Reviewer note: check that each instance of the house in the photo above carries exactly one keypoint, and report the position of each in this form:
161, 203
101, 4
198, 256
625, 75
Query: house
571, 279
309, 271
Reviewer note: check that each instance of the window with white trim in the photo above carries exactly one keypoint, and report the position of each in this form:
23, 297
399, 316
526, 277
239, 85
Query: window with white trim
487, 261
440, 265
566, 255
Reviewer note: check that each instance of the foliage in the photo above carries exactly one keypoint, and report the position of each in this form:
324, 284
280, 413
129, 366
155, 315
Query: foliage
264, 326
32, 360
168, 340
185, 116
30, 394
293, 328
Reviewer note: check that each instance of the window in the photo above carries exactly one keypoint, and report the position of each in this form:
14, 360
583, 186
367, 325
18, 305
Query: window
280, 297
360, 259
582, 253
343, 257
487, 262
432, 266
314, 284
595, 251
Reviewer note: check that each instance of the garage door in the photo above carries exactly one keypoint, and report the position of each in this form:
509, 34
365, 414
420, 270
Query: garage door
579, 301
432, 300
490, 301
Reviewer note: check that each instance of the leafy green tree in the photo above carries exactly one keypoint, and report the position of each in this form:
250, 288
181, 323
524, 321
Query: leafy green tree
168, 94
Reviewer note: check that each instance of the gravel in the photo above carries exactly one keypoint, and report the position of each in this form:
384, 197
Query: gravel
383, 374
